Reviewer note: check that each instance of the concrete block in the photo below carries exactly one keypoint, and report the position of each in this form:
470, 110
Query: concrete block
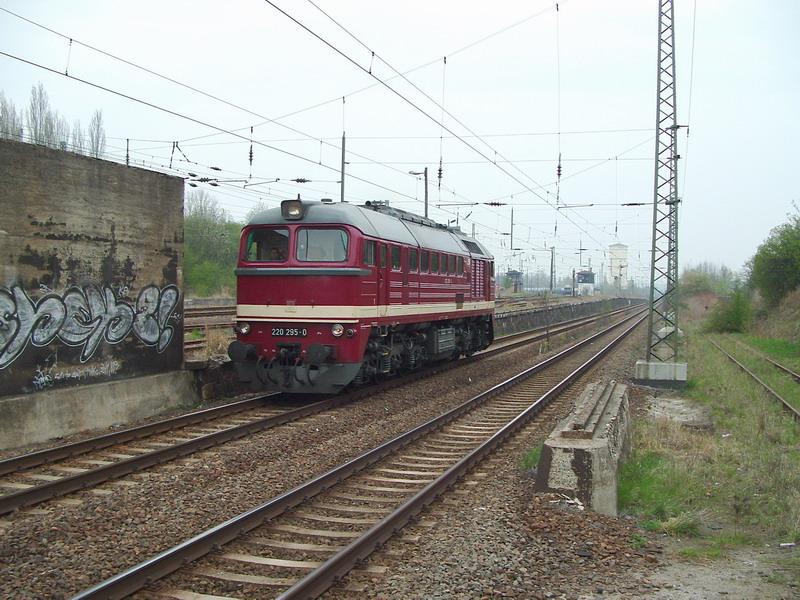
580, 458
661, 374
34, 418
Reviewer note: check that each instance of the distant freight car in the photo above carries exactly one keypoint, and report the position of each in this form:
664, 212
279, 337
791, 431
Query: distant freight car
330, 295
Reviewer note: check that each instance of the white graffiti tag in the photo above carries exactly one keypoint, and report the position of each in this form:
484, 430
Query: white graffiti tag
83, 317
92, 316
22, 320
153, 308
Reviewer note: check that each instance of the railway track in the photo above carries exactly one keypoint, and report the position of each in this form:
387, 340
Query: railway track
299, 543
30, 479
784, 369
795, 413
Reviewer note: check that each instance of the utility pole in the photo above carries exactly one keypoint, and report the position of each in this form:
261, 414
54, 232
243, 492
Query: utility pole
512, 230
659, 364
425, 171
342, 174
552, 268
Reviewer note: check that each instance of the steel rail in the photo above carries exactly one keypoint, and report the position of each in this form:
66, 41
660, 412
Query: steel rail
786, 406
161, 565
66, 485
558, 328
49, 455
336, 567
774, 363
73, 483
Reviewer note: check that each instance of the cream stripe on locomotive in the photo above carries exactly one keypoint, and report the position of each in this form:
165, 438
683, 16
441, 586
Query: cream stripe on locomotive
346, 314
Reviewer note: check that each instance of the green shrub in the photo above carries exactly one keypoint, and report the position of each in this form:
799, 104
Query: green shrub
732, 314
775, 268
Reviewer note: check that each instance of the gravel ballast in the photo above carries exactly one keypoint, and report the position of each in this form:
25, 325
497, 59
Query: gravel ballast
62, 547
493, 537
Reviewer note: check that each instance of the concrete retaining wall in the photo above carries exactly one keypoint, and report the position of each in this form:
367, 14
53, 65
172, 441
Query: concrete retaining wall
35, 418
90, 271
540, 317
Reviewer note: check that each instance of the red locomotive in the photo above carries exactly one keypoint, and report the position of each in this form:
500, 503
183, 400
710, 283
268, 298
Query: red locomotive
332, 294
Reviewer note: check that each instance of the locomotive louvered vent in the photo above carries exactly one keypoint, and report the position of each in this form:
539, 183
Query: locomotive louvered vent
472, 247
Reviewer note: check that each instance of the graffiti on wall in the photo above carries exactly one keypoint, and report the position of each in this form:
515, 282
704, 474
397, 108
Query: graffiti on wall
50, 373
84, 317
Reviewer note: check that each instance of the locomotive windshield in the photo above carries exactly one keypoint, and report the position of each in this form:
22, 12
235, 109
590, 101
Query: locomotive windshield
267, 245
322, 245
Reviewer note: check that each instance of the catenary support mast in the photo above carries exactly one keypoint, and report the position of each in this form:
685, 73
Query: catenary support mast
662, 323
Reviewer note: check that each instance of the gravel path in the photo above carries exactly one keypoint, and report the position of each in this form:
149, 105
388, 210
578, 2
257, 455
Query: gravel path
62, 547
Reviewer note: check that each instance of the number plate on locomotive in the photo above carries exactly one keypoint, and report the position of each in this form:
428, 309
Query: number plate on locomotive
289, 332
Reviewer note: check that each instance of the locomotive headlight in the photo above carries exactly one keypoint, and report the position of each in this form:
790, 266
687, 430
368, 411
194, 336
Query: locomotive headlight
337, 330
292, 209
242, 328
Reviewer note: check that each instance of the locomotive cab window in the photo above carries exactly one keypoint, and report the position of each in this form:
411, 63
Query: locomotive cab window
369, 252
322, 245
423, 265
434, 262
460, 265
412, 259
267, 244
396, 258
451, 264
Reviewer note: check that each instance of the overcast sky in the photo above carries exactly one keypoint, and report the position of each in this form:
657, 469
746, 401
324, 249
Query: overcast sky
740, 96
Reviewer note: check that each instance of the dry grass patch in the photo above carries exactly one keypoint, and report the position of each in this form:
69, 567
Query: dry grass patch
738, 484
217, 341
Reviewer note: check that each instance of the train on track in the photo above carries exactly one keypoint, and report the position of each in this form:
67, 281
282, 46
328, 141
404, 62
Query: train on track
333, 294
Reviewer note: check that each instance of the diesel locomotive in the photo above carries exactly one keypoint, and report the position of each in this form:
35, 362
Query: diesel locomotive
334, 294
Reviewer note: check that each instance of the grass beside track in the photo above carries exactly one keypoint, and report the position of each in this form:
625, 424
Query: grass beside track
735, 485
784, 351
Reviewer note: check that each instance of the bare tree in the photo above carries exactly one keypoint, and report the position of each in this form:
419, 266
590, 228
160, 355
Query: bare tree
48, 127
60, 131
41, 122
259, 207
201, 204
78, 144
97, 135
10, 120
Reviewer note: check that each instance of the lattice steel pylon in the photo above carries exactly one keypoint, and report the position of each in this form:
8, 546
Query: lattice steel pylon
662, 322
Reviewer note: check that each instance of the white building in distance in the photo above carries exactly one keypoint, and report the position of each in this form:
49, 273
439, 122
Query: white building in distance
618, 265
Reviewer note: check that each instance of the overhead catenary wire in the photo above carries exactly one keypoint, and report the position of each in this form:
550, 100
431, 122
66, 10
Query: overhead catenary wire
275, 121
192, 119
266, 120
419, 109
308, 138
558, 106
246, 140
441, 105
689, 107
